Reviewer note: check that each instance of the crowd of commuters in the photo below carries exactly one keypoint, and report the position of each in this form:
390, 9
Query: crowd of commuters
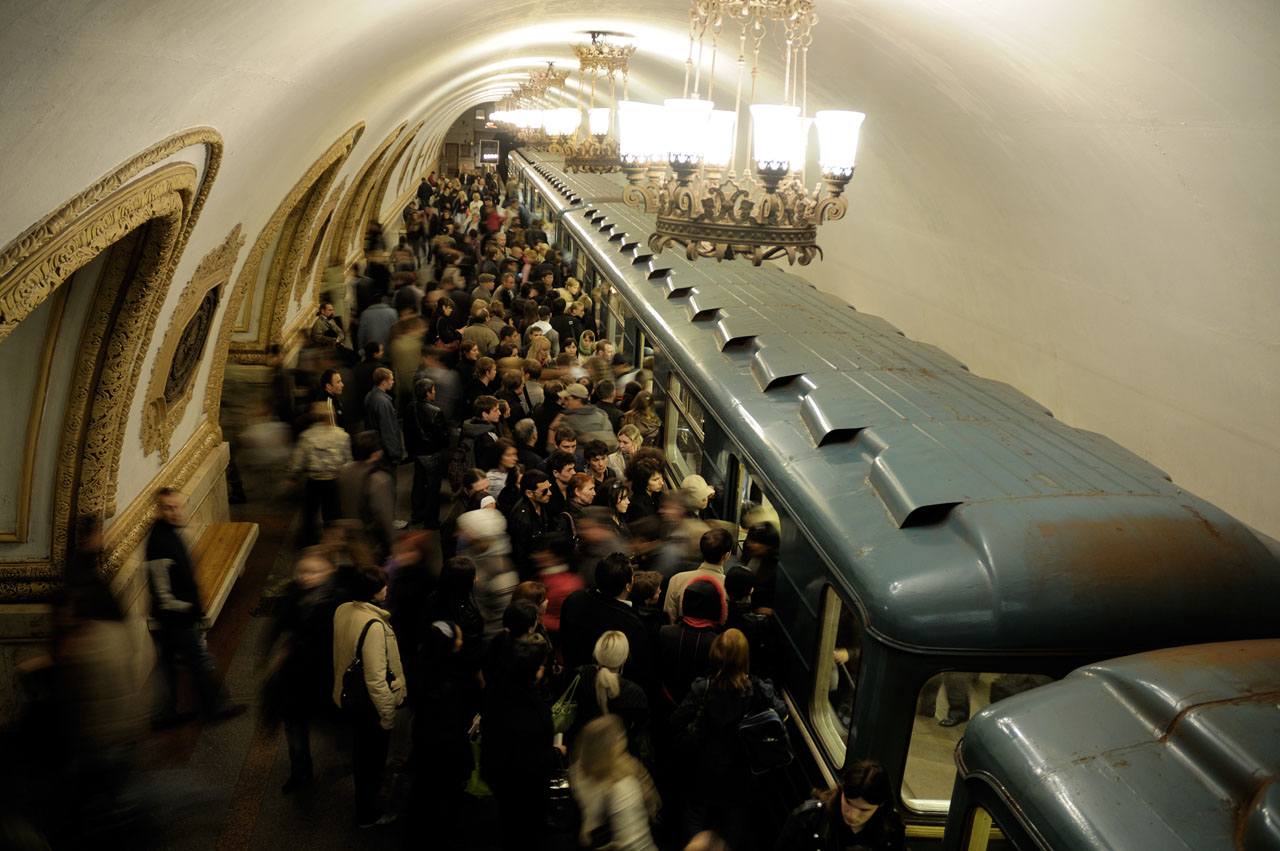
452, 632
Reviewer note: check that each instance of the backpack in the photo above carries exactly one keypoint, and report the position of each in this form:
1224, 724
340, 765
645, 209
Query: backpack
462, 459
765, 741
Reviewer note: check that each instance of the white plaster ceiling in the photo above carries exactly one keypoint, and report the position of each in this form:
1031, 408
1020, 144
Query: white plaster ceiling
1079, 198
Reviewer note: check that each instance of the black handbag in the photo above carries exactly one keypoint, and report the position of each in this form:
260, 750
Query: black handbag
355, 693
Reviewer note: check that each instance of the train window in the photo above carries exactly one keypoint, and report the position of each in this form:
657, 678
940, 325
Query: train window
943, 708
836, 675
684, 424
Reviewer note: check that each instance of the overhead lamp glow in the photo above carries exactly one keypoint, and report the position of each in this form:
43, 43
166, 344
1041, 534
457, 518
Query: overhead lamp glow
598, 120
721, 138
838, 131
685, 121
775, 130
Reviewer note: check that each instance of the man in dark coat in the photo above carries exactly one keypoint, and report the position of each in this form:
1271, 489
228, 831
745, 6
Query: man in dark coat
530, 520
175, 604
427, 435
380, 416
589, 613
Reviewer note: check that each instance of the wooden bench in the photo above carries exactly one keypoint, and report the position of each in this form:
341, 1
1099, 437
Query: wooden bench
219, 558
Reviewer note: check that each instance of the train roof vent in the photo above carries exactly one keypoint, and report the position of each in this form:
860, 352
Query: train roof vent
779, 361
738, 326
919, 479
677, 287
644, 257
629, 246
605, 225
703, 305
833, 411
618, 236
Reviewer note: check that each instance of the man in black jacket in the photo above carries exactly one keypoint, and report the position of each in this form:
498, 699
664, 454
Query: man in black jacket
380, 417
175, 604
588, 614
530, 520
427, 437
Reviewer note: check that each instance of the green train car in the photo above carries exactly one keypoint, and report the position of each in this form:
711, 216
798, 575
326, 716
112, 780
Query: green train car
1163, 751
944, 537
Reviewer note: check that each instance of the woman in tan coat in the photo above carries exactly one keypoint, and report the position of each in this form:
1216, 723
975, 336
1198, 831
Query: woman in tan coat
373, 719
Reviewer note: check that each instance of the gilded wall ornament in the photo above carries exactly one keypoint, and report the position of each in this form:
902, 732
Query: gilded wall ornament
145, 222
247, 352
287, 228
352, 212
173, 373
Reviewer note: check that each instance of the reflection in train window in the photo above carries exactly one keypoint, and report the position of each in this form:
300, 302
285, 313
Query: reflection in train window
684, 433
836, 675
619, 313
945, 704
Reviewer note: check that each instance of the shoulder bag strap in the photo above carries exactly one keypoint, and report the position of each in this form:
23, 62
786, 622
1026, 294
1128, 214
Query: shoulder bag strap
360, 644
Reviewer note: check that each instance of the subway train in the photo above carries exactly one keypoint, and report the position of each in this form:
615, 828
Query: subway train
946, 542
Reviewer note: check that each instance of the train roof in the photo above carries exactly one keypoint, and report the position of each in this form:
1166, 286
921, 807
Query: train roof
1169, 749
958, 512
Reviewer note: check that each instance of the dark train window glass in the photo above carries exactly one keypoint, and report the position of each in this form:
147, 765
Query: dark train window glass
684, 435
943, 709
836, 675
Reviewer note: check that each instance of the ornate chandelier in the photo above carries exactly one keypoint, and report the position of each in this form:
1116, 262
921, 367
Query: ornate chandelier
527, 112
598, 153
679, 158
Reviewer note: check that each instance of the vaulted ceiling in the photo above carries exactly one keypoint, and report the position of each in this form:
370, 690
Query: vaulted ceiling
1078, 198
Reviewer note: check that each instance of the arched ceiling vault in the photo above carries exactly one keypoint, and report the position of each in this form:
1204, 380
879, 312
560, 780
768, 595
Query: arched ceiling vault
1079, 198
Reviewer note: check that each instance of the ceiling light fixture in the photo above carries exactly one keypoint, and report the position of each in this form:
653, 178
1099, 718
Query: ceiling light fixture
679, 157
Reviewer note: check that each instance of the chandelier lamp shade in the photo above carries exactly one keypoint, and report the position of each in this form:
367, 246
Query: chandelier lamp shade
680, 157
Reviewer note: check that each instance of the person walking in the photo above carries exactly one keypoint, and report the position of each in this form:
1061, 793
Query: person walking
176, 607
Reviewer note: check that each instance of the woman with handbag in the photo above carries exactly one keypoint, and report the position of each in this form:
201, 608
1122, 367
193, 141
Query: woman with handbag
606, 692
720, 783
614, 792
368, 685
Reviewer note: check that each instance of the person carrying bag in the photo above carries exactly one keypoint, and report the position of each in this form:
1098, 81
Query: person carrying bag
720, 754
362, 656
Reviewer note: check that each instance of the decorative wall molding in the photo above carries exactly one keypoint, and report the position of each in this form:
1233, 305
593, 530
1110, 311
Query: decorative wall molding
383, 184
127, 531
174, 371
35, 421
18, 301
320, 250
353, 205
291, 222
145, 222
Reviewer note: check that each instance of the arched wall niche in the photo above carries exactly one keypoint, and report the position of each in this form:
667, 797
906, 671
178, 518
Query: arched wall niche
383, 185
352, 216
173, 375
289, 230
141, 216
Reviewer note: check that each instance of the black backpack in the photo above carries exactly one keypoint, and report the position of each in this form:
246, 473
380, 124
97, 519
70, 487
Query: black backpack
764, 739
463, 459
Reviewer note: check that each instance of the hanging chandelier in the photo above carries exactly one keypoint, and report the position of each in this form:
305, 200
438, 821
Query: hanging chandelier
680, 157
527, 110
603, 61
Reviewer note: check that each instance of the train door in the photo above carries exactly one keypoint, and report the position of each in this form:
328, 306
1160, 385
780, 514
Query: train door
745, 494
